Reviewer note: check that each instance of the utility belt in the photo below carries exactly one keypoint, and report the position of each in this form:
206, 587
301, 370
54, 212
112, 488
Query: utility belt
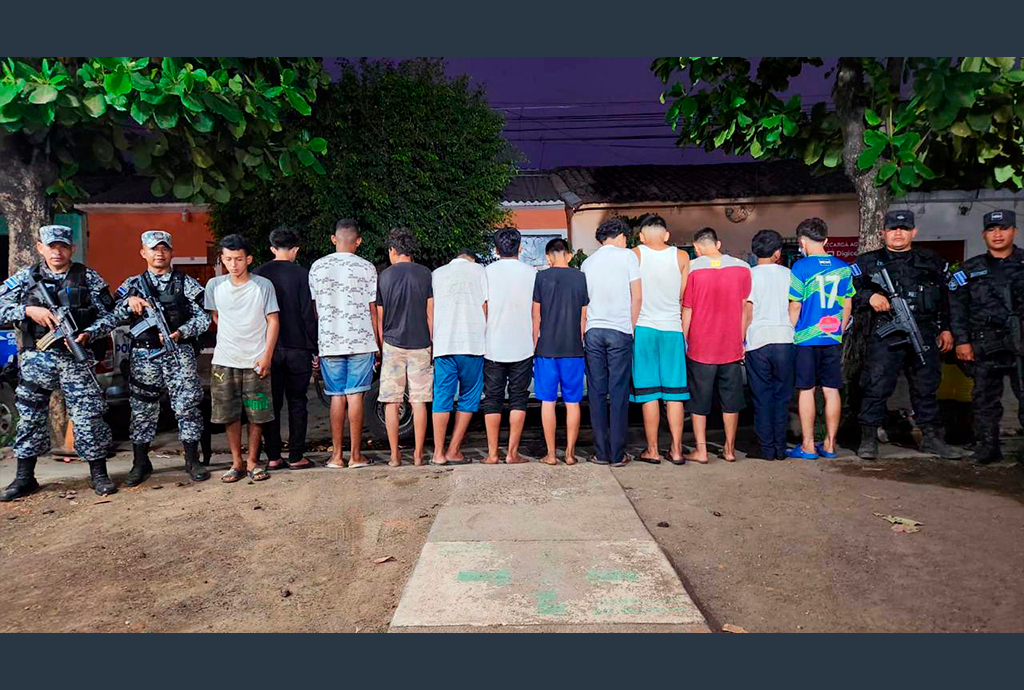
152, 342
990, 342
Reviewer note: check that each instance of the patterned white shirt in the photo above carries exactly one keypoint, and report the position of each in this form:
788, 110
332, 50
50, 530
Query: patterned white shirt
343, 285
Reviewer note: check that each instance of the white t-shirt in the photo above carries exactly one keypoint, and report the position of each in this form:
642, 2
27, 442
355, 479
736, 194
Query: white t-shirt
241, 319
609, 272
343, 285
769, 293
510, 310
460, 291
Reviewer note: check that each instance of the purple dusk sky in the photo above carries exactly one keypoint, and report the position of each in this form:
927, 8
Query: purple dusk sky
587, 110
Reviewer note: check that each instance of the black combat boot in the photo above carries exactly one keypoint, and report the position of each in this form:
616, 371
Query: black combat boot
24, 481
986, 450
100, 482
193, 466
933, 444
141, 466
868, 448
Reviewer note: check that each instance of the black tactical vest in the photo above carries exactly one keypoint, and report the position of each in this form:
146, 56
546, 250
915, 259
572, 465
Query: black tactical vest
71, 292
175, 303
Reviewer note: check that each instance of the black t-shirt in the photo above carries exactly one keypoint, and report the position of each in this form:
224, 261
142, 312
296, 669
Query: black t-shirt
403, 291
296, 315
562, 294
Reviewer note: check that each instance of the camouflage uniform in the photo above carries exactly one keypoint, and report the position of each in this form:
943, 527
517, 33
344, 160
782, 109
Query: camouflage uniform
153, 371
43, 371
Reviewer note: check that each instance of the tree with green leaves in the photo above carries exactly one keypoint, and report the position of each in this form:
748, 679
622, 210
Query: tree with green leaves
899, 124
409, 147
205, 129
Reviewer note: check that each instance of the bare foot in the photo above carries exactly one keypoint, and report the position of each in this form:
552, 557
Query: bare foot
549, 460
729, 454
516, 459
418, 462
491, 460
356, 461
697, 456
729, 458
336, 461
395, 462
439, 459
570, 459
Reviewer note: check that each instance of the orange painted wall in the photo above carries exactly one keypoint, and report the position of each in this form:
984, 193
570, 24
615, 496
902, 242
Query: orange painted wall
114, 239
539, 218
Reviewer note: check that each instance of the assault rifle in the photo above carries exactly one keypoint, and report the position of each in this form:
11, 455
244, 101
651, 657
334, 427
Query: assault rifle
155, 318
1016, 331
65, 330
901, 318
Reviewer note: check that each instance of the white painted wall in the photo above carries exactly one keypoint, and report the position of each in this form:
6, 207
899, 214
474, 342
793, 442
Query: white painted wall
957, 215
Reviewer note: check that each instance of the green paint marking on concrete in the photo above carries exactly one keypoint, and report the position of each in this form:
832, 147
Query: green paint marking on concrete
498, 578
597, 576
547, 604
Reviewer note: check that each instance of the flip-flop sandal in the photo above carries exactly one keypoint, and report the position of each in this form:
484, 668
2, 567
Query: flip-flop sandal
639, 457
463, 461
258, 475
680, 461
281, 465
309, 464
824, 453
597, 461
800, 454
358, 465
626, 459
232, 476
332, 466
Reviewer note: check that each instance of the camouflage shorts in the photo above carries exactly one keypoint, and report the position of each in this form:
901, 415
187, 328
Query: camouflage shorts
401, 366
233, 389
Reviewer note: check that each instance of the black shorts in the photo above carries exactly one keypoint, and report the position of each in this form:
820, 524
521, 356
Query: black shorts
498, 376
819, 365
703, 379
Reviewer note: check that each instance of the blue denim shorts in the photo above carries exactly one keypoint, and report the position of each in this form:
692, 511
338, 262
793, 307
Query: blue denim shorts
347, 374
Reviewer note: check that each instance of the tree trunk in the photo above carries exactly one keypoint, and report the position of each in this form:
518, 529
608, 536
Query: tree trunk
25, 173
872, 203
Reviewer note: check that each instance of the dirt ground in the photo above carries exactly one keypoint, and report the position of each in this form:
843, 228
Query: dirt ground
794, 546
292, 554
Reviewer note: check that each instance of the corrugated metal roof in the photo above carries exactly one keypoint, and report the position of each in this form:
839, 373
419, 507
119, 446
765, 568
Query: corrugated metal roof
531, 188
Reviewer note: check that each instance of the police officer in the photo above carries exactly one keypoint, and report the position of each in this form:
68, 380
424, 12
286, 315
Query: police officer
984, 294
46, 365
919, 276
153, 370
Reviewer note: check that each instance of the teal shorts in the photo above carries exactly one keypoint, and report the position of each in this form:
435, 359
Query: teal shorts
659, 365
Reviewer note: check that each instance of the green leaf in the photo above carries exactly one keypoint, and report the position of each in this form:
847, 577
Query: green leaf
924, 171
159, 187
688, 106
191, 103
871, 117
721, 137
868, 157
43, 93
832, 157
202, 122
1016, 76
1001, 63
317, 144
117, 83
102, 149
909, 177
771, 122
960, 129
1003, 174
305, 157
738, 101
222, 195
142, 157
812, 152
897, 188
875, 139
219, 105
788, 126
971, 64
906, 142
201, 158
7, 93
166, 116
979, 122
743, 120
235, 83
141, 111
285, 163
318, 168
287, 77
755, 149
887, 170
183, 188
298, 102
95, 105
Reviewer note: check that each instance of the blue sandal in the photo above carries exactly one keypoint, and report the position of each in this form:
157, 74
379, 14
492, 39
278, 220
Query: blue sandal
799, 453
824, 453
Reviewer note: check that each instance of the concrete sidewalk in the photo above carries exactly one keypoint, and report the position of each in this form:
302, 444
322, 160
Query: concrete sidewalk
534, 548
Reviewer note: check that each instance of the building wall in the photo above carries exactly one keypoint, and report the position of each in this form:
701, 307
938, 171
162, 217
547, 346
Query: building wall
114, 238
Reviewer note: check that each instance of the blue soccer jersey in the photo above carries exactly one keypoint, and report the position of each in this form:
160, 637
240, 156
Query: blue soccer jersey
822, 284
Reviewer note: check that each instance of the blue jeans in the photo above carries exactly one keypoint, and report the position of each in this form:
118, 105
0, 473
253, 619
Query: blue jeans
609, 362
770, 375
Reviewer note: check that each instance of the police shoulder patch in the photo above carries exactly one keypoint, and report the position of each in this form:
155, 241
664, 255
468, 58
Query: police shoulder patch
960, 278
978, 274
121, 291
855, 269
952, 285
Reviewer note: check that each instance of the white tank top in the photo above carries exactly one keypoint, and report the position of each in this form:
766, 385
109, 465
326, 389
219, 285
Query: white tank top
662, 282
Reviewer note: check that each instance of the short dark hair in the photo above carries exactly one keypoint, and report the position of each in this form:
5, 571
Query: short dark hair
556, 246
348, 227
610, 229
814, 229
765, 243
507, 241
402, 241
284, 238
235, 242
705, 235
653, 219
465, 251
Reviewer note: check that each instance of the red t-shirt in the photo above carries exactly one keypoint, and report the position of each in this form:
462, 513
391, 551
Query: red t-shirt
716, 290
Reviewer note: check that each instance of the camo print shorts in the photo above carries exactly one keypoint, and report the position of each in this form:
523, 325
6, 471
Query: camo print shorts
401, 367
232, 390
